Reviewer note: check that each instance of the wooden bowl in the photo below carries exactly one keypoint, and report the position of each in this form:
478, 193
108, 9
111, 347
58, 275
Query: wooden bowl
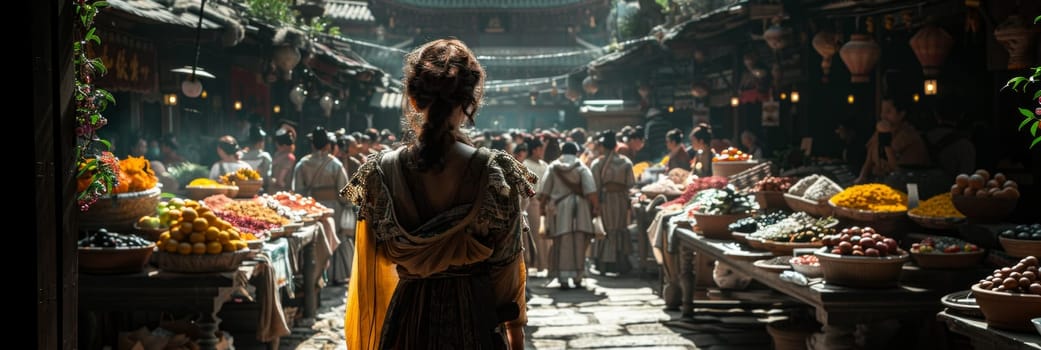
866, 215
936, 223
716, 226
114, 260
771, 200
728, 168
739, 237
820, 208
786, 248
1020, 248
248, 188
756, 243
1011, 311
959, 260
862, 272
984, 210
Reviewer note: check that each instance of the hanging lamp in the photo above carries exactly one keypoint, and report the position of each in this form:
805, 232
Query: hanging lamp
191, 86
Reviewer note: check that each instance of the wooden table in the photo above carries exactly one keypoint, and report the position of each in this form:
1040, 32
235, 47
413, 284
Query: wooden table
834, 305
984, 337
160, 291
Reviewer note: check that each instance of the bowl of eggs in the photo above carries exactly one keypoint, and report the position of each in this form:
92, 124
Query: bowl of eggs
983, 198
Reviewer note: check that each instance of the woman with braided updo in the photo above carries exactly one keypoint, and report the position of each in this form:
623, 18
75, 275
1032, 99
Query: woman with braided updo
438, 260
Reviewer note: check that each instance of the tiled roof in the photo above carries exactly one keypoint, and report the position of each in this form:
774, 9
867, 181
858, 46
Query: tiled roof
155, 11
488, 4
387, 100
357, 11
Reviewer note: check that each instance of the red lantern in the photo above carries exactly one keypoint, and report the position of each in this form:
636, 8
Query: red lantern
860, 54
826, 44
931, 45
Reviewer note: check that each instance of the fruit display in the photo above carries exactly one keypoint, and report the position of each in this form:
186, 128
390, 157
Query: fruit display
134, 174
797, 228
981, 184
943, 245
199, 231
1020, 278
774, 184
256, 211
807, 259
857, 241
1023, 232
731, 154
871, 197
754, 223
205, 182
697, 185
722, 202
243, 174
104, 239
297, 202
939, 206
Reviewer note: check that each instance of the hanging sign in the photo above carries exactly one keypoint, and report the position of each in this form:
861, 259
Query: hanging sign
131, 63
771, 113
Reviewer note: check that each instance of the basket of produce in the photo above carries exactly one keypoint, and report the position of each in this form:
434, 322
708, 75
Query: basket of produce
984, 199
869, 203
1022, 240
104, 252
808, 265
937, 213
1011, 297
247, 180
731, 161
862, 258
946, 253
713, 211
769, 192
119, 211
200, 241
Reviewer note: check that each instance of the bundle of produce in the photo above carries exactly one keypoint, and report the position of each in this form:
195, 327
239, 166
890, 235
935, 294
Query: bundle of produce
696, 186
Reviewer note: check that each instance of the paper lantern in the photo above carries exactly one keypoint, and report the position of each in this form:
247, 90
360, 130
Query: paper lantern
774, 36
191, 87
860, 54
590, 86
826, 44
1018, 39
285, 58
931, 45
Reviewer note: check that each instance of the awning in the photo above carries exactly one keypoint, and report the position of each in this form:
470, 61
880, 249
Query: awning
185, 13
155, 11
386, 100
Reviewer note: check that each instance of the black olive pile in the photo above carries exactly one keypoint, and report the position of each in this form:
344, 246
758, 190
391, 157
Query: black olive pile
754, 223
104, 239
1028, 232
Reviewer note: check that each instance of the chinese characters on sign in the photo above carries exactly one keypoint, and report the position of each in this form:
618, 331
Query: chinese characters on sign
131, 63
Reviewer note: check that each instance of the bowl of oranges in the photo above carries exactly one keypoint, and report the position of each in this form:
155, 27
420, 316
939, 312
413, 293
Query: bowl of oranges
199, 241
731, 161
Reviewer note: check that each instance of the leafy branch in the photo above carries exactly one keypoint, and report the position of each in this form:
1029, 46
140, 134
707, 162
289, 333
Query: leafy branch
97, 167
1021, 84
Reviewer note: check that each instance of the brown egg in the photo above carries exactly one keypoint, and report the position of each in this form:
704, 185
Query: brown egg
984, 173
993, 190
993, 183
977, 181
1000, 178
962, 180
969, 192
1011, 183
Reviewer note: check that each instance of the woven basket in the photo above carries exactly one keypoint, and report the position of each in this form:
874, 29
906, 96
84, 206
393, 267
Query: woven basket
1020, 248
959, 260
1007, 310
866, 215
119, 212
771, 200
205, 263
862, 272
114, 260
984, 210
742, 174
936, 223
820, 208
248, 188
716, 226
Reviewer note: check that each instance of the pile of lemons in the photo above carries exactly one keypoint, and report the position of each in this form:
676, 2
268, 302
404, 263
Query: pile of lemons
197, 230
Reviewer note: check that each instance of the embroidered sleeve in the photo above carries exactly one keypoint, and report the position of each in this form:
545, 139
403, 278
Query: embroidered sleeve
513, 175
363, 185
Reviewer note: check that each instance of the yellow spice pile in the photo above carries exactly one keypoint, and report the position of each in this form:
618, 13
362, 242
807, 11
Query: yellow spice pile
940, 206
872, 197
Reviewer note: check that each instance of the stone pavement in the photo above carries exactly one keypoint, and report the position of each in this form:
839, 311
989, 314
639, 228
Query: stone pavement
608, 313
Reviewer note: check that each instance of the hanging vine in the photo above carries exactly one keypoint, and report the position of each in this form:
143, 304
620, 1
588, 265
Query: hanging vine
97, 166
1031, 118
